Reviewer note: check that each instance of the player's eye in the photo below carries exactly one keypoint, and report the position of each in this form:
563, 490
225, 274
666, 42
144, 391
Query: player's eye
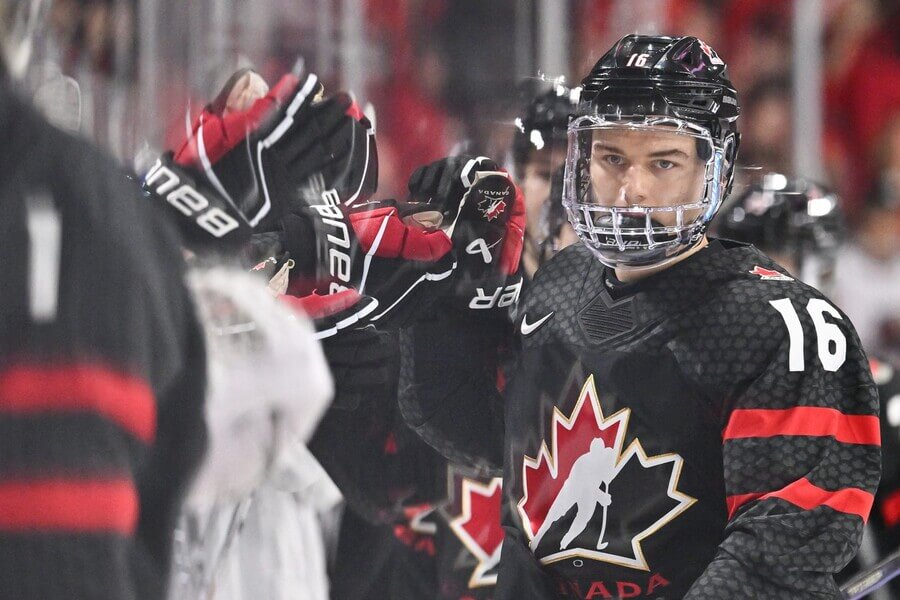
615, 160
665, 165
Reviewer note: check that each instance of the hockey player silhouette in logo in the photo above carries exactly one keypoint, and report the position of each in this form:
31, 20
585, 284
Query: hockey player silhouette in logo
586, 486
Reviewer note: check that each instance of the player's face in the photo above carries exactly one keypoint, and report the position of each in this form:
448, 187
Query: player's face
646, 168
536, 182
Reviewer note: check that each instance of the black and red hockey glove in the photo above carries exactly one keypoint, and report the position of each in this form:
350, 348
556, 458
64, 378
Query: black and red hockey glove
401, 253
205, 218
483, 213
377, 248
291, 138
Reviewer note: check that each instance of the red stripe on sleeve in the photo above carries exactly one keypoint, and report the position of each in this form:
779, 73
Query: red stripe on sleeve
803, 420
806, 495
67, 505
125, 400
738, 500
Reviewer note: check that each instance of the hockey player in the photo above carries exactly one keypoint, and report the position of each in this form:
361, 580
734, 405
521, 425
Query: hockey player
102, 369
796, 222
737, 400
800, 224
651, 157
449, 549
539, 151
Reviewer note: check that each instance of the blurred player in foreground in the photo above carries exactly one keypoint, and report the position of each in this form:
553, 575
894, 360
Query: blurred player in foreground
102, 364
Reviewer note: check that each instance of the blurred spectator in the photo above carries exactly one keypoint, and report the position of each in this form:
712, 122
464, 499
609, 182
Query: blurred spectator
98, 34
767, 131
699, 18
867, 278
862, 92
757, 36
872, 269
414, 126
887, 184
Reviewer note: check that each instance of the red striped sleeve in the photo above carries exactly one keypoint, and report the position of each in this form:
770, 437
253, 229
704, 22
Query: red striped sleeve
123, 399
803, 420
62, 505
807, 495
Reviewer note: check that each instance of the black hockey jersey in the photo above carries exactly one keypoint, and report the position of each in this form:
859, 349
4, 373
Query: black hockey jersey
102, 373
708, 432
449, 551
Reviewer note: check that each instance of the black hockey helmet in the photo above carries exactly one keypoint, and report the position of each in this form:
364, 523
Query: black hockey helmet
543, 119
656, 75
789, 217
665, 86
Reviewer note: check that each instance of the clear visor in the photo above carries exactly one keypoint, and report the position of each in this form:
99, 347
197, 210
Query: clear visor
640, 191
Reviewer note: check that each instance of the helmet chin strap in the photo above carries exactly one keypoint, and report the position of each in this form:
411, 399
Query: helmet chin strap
628, 273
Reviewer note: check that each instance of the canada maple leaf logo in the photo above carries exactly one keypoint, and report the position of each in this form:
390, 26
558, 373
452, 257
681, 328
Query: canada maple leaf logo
708, 51
769, 274
579, 471
479, 527
492, 208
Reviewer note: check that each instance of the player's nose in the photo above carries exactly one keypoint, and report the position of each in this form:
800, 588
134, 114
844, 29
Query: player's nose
635, 185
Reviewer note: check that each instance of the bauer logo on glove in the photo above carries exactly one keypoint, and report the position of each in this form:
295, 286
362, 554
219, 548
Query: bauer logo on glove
372, 249
202, 214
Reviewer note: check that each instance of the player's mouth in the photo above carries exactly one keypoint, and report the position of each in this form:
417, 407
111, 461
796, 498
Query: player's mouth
625, 220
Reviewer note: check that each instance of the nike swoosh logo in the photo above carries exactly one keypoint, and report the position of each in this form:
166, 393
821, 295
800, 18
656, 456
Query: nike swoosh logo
529, 328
